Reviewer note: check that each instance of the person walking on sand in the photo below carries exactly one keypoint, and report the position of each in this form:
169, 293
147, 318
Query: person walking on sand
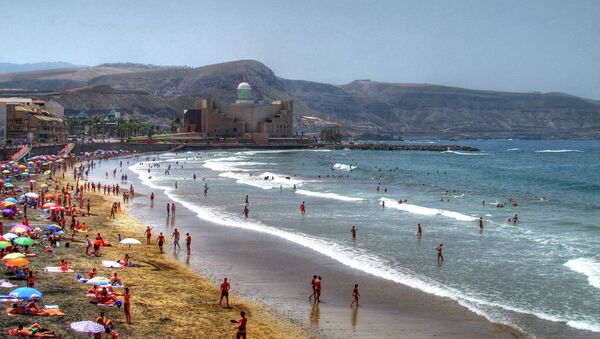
439, 249
175, 238
152, 197
188, 243
481, 223
353, 231
161, 241
313, 286
419, 231
241, 327
88, 206
355, 295
168, 209
148, 234
225, 286
318, 289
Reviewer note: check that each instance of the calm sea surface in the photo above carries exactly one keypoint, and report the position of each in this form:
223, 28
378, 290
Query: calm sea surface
546, 265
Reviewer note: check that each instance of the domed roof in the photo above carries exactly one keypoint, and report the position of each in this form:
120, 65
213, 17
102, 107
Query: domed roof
244, 85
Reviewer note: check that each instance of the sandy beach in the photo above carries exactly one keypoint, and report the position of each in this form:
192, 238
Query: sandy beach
169, 300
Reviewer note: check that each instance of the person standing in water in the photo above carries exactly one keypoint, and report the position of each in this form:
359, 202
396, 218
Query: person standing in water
247, 203
246, 211
175, 238
353, 231
168, 209
419, 231
481, 223
355, 295
439, 249
173, 208
302, 208
188, 243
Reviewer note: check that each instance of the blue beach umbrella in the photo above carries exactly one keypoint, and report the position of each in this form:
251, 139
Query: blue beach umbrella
26, 293
13, 200
52, 228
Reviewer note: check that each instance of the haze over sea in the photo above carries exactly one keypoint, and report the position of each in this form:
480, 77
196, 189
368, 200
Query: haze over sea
547, 265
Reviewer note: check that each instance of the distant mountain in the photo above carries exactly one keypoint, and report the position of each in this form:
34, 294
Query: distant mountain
160, 93
13, 68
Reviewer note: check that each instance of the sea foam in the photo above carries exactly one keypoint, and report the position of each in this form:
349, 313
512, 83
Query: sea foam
325, 195
344, 167
588, 267
416, 209
559, 151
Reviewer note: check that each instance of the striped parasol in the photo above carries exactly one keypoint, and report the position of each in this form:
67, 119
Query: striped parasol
87, 326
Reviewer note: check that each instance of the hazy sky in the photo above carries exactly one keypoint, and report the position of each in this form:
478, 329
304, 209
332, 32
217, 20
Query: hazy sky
505, 45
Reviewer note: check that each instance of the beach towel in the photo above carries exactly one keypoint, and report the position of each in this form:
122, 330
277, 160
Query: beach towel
112, 264
57, 270
49, 312
6, 284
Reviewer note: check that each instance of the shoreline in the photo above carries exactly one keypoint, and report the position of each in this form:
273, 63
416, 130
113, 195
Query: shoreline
169, 299
417, 314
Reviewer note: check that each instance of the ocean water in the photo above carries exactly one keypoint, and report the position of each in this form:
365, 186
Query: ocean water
547, 265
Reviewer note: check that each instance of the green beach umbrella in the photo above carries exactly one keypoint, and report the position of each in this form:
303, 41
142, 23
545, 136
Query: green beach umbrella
24, 241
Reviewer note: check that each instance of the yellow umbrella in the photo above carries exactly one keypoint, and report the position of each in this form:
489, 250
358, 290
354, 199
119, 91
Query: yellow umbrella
13, 256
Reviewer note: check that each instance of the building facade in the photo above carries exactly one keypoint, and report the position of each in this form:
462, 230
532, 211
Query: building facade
27, 122
242, 119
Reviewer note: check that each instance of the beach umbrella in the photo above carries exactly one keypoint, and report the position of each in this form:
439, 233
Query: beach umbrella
17, 262
24, 241
5, 244
53, 228
6, 171
13, 256
32, 195
9, 185
130, 241
100, 281
20, 229
26, 293
8, 211
7, 203
56, 208
10, 236
49, 204
88, 327
13, 200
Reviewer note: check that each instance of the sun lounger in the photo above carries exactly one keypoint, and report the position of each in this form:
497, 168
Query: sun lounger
57, 270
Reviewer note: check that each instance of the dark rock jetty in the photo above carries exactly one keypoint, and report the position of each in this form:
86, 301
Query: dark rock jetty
388, 147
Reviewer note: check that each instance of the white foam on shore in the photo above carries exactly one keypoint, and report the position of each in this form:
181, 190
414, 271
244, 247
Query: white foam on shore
588, 267
274, 181
344, 167
325, 195
229, 164
559, 151
281, 151
364, 261
416, 209
513, 149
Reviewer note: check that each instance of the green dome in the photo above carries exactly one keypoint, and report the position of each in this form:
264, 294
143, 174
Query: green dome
244, 91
